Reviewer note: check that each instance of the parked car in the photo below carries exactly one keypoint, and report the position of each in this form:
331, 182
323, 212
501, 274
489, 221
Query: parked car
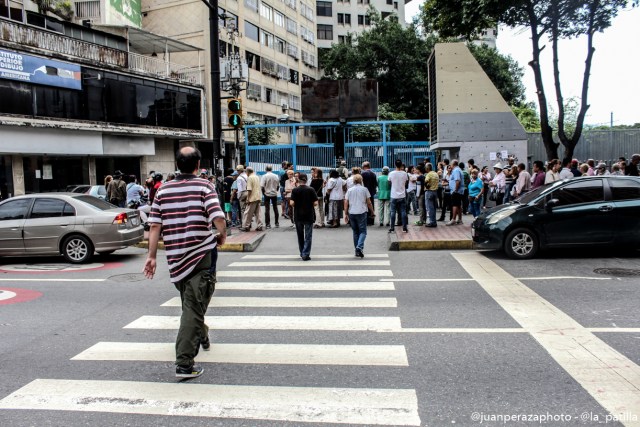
93, 190
74, 225
578, 212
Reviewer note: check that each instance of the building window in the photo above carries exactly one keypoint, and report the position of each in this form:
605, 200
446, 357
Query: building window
324, 8
325, 32
360, 19
292, 26
395, 5
292, 51
269, 67
389, 2
347, 19
251, 5
279, 19
283, 72
294, 102
251, 31
385, 14
266, 39
268, 96
254, 91
280, 45
294, 76
253, 60
341, 18
291, 3
367, 20
266, 11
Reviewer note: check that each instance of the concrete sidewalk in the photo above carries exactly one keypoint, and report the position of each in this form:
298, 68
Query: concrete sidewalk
425, 238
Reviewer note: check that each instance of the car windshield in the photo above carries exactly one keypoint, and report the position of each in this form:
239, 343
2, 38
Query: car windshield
95, 202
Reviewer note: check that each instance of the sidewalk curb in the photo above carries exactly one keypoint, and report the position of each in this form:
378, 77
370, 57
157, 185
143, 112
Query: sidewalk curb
249, 246
394, 244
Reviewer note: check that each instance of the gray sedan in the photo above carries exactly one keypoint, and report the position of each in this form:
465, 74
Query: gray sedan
74, 225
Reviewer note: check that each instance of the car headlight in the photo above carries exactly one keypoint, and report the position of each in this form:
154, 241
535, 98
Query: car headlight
499, 216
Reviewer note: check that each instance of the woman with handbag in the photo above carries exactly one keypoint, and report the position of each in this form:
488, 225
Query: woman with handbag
497, 185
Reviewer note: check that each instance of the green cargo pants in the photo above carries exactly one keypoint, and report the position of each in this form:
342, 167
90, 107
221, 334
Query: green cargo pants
195, 292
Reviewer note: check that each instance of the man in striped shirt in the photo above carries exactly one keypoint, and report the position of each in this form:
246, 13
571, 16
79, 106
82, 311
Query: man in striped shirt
184, 211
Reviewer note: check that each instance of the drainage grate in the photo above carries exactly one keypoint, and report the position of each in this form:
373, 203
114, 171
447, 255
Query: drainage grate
618, 272
127, 278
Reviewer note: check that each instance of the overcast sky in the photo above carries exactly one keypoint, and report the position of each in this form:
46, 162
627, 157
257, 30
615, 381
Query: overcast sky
615, 74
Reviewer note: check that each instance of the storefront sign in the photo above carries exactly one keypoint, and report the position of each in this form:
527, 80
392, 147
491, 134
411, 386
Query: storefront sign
33, 69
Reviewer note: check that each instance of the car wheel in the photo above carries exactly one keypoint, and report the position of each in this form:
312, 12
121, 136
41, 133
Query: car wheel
77, 249
521, 243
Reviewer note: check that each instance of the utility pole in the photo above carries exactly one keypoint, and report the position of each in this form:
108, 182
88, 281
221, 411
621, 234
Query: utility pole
214, 52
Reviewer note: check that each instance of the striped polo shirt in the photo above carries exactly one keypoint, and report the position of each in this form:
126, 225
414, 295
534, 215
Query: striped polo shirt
186, 208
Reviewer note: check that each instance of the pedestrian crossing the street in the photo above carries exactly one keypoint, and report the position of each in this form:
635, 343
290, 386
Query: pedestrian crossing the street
275, 286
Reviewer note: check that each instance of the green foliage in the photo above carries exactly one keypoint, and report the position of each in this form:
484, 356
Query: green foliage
398, 132
615, 127
528, 116
397, 57
60, 8
263, 136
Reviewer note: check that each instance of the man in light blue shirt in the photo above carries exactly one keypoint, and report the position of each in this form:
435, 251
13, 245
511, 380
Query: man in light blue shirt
456, 184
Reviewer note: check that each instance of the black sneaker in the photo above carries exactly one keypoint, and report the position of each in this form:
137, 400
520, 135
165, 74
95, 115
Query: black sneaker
359, 253
193, 371
391, 230
205, 343
404, 230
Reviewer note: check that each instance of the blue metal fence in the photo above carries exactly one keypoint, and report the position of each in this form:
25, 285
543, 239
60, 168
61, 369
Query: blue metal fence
305, 155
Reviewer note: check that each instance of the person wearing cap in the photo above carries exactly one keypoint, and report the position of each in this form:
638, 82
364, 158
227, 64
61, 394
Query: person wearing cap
303, 200
498, 183
384, 197
342, 170
253, 199
117, 190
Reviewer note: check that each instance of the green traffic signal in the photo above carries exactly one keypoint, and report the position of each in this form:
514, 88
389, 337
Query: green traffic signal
235, 120
235, 105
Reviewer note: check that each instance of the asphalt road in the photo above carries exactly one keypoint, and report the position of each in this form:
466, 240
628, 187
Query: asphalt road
398, 338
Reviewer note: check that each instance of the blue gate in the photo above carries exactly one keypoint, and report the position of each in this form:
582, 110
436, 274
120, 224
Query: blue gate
304, 152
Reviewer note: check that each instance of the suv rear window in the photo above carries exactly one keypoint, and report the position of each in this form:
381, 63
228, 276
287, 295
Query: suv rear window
95, 202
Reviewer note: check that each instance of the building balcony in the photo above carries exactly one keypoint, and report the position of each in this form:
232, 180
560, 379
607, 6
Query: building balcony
138, 59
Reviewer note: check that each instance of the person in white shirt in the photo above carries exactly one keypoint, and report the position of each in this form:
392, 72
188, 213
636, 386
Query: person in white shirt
398, 179
498, 183
552, 171
357, 202
335, 188
242, 188
412, 189
270, 183
566, 173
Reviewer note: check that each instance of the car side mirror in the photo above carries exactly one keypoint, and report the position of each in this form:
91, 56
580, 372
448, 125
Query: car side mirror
551, 204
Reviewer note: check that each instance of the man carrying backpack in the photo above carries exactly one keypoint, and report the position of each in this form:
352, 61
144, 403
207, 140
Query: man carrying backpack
117, 190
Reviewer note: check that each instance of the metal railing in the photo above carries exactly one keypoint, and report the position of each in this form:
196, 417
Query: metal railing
164, 69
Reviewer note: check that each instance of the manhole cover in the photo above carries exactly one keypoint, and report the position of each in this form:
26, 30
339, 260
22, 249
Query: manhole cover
129, 277
628, 272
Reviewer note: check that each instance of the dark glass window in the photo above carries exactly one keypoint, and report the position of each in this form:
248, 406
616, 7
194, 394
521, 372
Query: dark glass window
251, 31
69, 210
14, 209
625, 189
47, 208
324, 8
360, 19
145, 100
16, 98
325, 32
581, 192
58, 102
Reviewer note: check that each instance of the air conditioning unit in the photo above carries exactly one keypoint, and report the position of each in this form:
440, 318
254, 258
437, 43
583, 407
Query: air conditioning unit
285, 106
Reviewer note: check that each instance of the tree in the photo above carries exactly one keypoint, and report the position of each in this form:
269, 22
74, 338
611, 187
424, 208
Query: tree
527, 116
61, 8
550, 20
397, 57
262, 136
394, 55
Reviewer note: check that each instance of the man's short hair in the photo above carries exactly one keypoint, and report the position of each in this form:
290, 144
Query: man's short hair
268, 168
454, 162
428, 167
398, 163
366, 165
187, 159
566, 162
249, 169
302, 177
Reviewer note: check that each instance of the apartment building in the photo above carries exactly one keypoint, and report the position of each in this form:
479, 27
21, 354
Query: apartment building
79, 102
276, 38
338, 19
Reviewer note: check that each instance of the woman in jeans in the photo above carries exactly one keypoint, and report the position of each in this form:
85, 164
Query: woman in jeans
476, 191
317, 183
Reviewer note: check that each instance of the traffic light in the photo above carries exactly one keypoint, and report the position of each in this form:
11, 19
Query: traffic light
234, 107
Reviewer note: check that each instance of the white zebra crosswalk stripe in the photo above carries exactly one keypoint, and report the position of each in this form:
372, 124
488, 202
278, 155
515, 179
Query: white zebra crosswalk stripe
284, 354
293, 404
271, 257
306, 273
318, 323
306, 286
293, 302
312, 263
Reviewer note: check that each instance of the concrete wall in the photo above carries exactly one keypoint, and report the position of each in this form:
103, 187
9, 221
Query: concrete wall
164, 161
